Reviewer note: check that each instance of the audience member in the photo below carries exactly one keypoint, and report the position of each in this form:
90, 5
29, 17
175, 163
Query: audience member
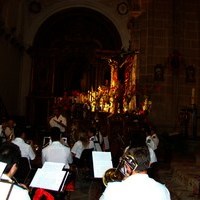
10, 154
58, 120
136, 183
56, 152
20, 141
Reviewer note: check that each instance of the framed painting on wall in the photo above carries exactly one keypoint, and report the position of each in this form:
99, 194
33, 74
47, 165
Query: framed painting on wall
190, 74
159, 72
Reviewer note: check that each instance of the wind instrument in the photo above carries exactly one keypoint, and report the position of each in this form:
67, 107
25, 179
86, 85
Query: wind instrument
112, 175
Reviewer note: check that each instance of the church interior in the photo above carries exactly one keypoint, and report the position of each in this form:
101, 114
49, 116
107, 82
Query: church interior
112, 63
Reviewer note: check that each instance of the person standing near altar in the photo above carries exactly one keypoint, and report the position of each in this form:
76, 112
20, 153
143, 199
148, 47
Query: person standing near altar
58, 120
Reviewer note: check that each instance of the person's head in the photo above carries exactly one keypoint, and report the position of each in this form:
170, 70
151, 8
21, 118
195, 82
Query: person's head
57, 112
10, 154
20, 132
55, 134
83, 137
91, 132
11, 123
135, 160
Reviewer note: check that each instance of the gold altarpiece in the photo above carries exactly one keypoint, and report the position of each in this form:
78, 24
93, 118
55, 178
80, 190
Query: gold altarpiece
106, 83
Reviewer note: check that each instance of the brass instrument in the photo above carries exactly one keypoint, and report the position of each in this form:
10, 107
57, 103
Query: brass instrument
112, 175
119, 173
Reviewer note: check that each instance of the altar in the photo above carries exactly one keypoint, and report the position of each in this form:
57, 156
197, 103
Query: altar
114, 100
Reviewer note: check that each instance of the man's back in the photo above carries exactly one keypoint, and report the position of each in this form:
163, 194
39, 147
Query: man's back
26, 149
136, 184
136, 187
57, 152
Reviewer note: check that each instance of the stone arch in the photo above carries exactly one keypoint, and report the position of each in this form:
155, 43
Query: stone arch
120, 22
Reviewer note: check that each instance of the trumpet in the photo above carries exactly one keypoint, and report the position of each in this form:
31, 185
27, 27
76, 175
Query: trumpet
112, 175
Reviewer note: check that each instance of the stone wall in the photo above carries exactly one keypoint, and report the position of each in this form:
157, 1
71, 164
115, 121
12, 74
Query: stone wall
167, 30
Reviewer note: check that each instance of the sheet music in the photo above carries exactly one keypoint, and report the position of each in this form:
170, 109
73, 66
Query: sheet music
52, 166
102, 161
2, 167
50, 176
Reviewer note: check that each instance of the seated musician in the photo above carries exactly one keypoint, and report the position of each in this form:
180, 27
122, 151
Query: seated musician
136, 183
10, 189
59, 153
56, 151
20, 141
79, 146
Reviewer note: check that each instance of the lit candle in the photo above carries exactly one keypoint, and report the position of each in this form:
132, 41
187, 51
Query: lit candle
193, 96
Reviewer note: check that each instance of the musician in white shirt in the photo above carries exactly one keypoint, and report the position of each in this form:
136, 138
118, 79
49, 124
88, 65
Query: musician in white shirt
20, 140
56, 151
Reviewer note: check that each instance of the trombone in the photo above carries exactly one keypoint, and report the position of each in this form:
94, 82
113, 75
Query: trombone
112, 175
119, 173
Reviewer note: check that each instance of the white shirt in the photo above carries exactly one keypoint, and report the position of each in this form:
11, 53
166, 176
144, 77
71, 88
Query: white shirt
153, 157
16, 193
78, 148
26, 149
57, 152
136, 187
62, 119
96, 145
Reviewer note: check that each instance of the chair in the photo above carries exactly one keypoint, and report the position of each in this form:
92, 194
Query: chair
24, 173
46, 141
86, 162
42, 194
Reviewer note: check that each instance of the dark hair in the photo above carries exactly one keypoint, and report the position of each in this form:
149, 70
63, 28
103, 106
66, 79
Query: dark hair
19, 131
141, 156
92, 130
55, 134
83, 137
10, 154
